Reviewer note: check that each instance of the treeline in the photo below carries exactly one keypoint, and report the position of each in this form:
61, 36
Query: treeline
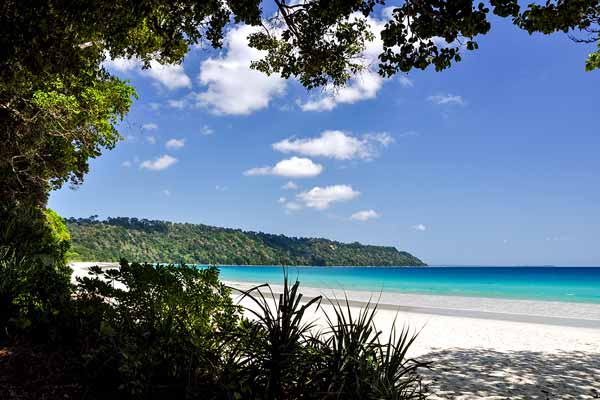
151, 240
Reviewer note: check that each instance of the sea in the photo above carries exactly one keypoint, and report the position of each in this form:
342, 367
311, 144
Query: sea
564, 284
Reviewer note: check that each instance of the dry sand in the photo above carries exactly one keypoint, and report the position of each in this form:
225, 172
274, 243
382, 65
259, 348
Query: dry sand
491, 348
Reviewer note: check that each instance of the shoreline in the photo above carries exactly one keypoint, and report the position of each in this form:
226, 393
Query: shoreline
578, 315
545, 312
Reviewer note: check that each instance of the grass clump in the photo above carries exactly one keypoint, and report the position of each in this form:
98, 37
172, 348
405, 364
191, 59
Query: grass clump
348, 359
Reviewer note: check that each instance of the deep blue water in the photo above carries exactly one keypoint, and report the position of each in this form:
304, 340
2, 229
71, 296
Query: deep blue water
573, 284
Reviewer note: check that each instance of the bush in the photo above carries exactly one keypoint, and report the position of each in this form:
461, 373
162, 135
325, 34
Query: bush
34, 233
155, 329
284, 357
35, 280
55, 239
174, 330
167, 331
274, 357
34, 297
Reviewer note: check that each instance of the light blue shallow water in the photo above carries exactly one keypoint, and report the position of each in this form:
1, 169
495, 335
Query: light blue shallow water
572, 284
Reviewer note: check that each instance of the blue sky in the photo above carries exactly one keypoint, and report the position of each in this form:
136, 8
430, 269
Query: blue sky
493, 162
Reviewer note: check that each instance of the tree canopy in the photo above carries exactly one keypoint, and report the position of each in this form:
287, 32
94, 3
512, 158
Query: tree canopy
164, 241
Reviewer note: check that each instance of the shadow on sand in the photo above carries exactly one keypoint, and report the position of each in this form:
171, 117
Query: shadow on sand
486, 374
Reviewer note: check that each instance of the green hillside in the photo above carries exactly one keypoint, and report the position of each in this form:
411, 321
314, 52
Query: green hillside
162, 241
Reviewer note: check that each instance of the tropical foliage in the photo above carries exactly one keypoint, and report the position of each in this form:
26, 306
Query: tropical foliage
164, 241
349, 359
147, 331
34, 296
36, 233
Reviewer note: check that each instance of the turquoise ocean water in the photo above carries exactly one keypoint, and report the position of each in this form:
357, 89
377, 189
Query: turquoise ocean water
572, 284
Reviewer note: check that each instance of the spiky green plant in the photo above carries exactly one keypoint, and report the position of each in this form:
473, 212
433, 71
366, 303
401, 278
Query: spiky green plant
284, 356
282, 336
364, 366
397, 376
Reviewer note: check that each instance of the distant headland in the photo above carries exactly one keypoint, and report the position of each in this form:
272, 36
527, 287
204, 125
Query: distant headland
164, 241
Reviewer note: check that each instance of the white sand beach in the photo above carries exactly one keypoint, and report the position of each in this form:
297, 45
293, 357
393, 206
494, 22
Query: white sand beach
487, 348
490, 348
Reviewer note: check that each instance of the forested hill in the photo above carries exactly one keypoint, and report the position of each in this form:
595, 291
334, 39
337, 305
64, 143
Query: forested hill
162, 241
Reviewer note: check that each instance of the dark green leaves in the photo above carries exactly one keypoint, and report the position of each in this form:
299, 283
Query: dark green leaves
424, 33
161, 326
291, 358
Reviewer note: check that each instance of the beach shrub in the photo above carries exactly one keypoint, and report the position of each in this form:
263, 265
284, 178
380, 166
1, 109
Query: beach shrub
361, 364
156, 328
174, 331
34, 277
280, 358
34, 233
285, 356
34, 298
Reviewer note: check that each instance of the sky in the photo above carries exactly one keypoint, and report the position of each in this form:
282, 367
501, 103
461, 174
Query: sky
492, 162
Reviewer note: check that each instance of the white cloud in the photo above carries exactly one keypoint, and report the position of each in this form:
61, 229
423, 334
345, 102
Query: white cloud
293, 206
365, 215
166, 192
175, 143
126, 164
179, 104
172, 76
447, 99
206, 130
322, 197
256, 171
335, 144
220, 188
281, 200
232, 87
122, 64
383, 138
388, 12
154, 106
290, 185
150, 127
287, 107
297, 167
151, 139
557, 238
294, 167
160, 163
363, 87
405, 81
420, 227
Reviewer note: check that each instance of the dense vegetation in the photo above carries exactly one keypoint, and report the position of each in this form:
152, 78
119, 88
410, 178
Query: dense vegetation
142, 239
145, 331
